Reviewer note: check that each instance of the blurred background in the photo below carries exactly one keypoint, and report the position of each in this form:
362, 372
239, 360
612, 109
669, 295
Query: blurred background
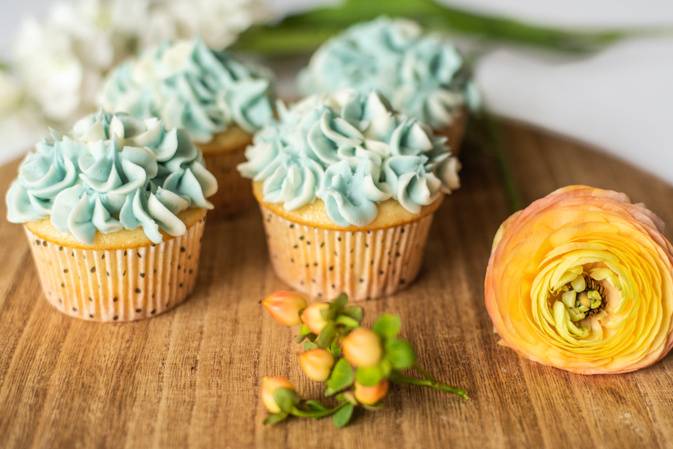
616, 93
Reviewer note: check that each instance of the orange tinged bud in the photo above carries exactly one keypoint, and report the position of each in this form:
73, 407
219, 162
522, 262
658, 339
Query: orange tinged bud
317, 364
285, 307
312, 316
362, 347
269, 386
371, 395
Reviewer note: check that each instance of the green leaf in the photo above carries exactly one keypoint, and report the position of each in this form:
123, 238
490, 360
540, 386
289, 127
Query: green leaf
309, 345
387, 325
340, 301
347, 321
343, 416
285, 399
369, 375
335, 349
312, 404
305, 31
400, 354
386, 367
354, 312
336, 306
304, 330
275, 418
347, 397
341, 378
326, 335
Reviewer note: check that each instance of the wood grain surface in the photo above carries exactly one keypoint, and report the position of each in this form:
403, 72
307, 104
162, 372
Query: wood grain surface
189, 378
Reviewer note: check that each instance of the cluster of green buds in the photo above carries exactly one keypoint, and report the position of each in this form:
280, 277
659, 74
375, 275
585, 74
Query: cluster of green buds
356, 363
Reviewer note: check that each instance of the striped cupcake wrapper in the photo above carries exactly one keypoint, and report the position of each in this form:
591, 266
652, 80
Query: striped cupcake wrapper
118, 284
364, 264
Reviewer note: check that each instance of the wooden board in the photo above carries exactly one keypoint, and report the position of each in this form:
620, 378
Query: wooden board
189, 378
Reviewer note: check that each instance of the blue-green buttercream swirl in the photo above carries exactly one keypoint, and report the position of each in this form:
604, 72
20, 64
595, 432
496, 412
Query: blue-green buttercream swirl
422, 75
112, 172
352, 151
192, 87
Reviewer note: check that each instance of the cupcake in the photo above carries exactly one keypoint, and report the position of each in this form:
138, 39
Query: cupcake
347, 188
219, 101
114, 212
422, 75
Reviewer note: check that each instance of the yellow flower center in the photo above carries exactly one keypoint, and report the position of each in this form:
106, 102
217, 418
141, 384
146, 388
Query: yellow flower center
571, 296
575, 302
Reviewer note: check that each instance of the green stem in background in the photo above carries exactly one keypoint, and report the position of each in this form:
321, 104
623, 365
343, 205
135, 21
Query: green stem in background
303, 32
485, 133
492, 142
399, 378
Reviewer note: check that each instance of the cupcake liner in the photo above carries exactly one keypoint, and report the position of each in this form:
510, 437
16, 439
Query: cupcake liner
364, 264
234, 192
118, 284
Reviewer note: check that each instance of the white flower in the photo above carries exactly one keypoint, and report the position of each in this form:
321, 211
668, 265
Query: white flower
11, 94
49, 69
20, 122
63, 60
217, 22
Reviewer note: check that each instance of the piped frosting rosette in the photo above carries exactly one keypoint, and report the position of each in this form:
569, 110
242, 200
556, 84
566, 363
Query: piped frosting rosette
351, 151
192, 87
348, 188
422, 75
112, 172
582, 280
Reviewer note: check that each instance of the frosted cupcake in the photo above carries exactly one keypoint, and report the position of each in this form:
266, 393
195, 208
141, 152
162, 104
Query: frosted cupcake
347, 189
210, 94
422, 75
114, 212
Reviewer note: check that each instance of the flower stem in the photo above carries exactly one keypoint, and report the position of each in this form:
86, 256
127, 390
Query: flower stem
317, 414
429, 383
302, 32
489, 138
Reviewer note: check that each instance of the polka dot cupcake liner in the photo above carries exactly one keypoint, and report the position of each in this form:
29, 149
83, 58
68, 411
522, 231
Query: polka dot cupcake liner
234, 193
118, 284
364, 264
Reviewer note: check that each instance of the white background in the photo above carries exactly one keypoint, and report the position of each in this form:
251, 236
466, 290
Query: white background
620, 99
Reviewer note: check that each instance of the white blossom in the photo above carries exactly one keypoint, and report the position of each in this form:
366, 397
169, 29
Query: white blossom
62, 60
217, 22
20, 121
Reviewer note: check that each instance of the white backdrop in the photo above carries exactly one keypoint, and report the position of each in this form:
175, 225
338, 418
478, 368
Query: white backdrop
620, 99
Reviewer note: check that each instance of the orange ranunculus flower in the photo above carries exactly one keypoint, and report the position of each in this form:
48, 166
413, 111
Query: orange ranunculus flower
582, 280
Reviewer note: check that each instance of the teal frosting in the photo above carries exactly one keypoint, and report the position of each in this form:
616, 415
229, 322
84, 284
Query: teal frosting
352, 151
112, 172
422, 75
192, 87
